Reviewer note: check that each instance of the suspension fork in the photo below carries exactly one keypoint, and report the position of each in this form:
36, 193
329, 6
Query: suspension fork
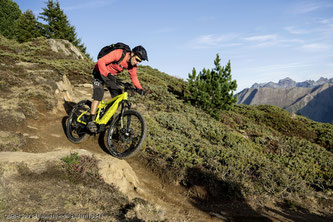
125, 104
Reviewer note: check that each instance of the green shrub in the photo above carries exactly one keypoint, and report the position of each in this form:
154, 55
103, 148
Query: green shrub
212, 90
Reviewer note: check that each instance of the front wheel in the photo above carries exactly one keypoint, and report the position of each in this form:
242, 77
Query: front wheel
76, 129
126, 134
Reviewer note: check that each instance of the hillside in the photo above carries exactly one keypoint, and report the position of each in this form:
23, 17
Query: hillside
257, 163
309, 98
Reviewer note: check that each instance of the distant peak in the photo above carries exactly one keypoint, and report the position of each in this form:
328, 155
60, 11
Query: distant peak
286, 79
286, 83
322, 79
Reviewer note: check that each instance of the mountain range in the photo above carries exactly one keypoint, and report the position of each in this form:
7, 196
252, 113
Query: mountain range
313, 99
289, 83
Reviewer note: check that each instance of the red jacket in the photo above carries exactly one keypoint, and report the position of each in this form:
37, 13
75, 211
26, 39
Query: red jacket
105, 66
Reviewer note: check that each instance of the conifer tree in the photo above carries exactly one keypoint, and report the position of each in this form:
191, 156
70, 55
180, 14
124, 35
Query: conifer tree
212, 90
57, 25
9, 14
28, 27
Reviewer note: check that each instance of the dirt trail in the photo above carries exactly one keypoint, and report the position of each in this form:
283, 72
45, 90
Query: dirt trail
47, 134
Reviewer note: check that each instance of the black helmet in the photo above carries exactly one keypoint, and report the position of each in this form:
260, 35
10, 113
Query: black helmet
141, 52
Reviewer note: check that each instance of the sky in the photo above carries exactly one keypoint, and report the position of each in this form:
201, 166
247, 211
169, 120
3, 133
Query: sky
265, 40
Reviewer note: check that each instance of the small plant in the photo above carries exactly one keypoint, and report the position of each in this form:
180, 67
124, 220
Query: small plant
81, 167
72, 159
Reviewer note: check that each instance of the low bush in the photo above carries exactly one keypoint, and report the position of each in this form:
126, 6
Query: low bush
80, 168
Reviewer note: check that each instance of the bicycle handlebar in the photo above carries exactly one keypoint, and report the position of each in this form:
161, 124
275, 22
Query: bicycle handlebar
128, 86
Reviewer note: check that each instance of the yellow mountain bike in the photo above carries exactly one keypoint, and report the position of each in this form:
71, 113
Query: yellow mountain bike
125, 133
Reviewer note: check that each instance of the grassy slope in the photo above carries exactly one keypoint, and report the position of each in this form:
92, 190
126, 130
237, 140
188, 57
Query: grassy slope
263, 148
253, 150
28, 76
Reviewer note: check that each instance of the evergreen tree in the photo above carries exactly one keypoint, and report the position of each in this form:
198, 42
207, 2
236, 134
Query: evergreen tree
212, 90
9, 14
57, 25
28, 27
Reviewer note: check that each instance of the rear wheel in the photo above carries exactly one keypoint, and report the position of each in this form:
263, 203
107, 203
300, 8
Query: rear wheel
76, 130
126, 134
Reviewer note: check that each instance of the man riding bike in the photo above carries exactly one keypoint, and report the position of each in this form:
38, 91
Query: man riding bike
105, 73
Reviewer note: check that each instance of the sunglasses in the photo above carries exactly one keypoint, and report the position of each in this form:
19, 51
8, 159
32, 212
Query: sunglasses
137, 59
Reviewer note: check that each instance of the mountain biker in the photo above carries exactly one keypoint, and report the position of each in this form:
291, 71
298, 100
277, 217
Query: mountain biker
105, 72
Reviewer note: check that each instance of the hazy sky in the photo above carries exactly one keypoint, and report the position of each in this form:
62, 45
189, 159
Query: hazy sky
265, 40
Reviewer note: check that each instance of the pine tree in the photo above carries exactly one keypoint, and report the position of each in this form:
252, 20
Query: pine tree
28, 27
212, 90
9, 14
57, 25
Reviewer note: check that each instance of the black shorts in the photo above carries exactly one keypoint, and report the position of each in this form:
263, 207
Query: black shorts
98, 85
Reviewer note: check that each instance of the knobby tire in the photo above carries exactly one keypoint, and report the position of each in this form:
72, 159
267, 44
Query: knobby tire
77, 132
126, 142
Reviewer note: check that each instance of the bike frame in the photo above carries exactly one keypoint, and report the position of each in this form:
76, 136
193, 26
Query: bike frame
111, 111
